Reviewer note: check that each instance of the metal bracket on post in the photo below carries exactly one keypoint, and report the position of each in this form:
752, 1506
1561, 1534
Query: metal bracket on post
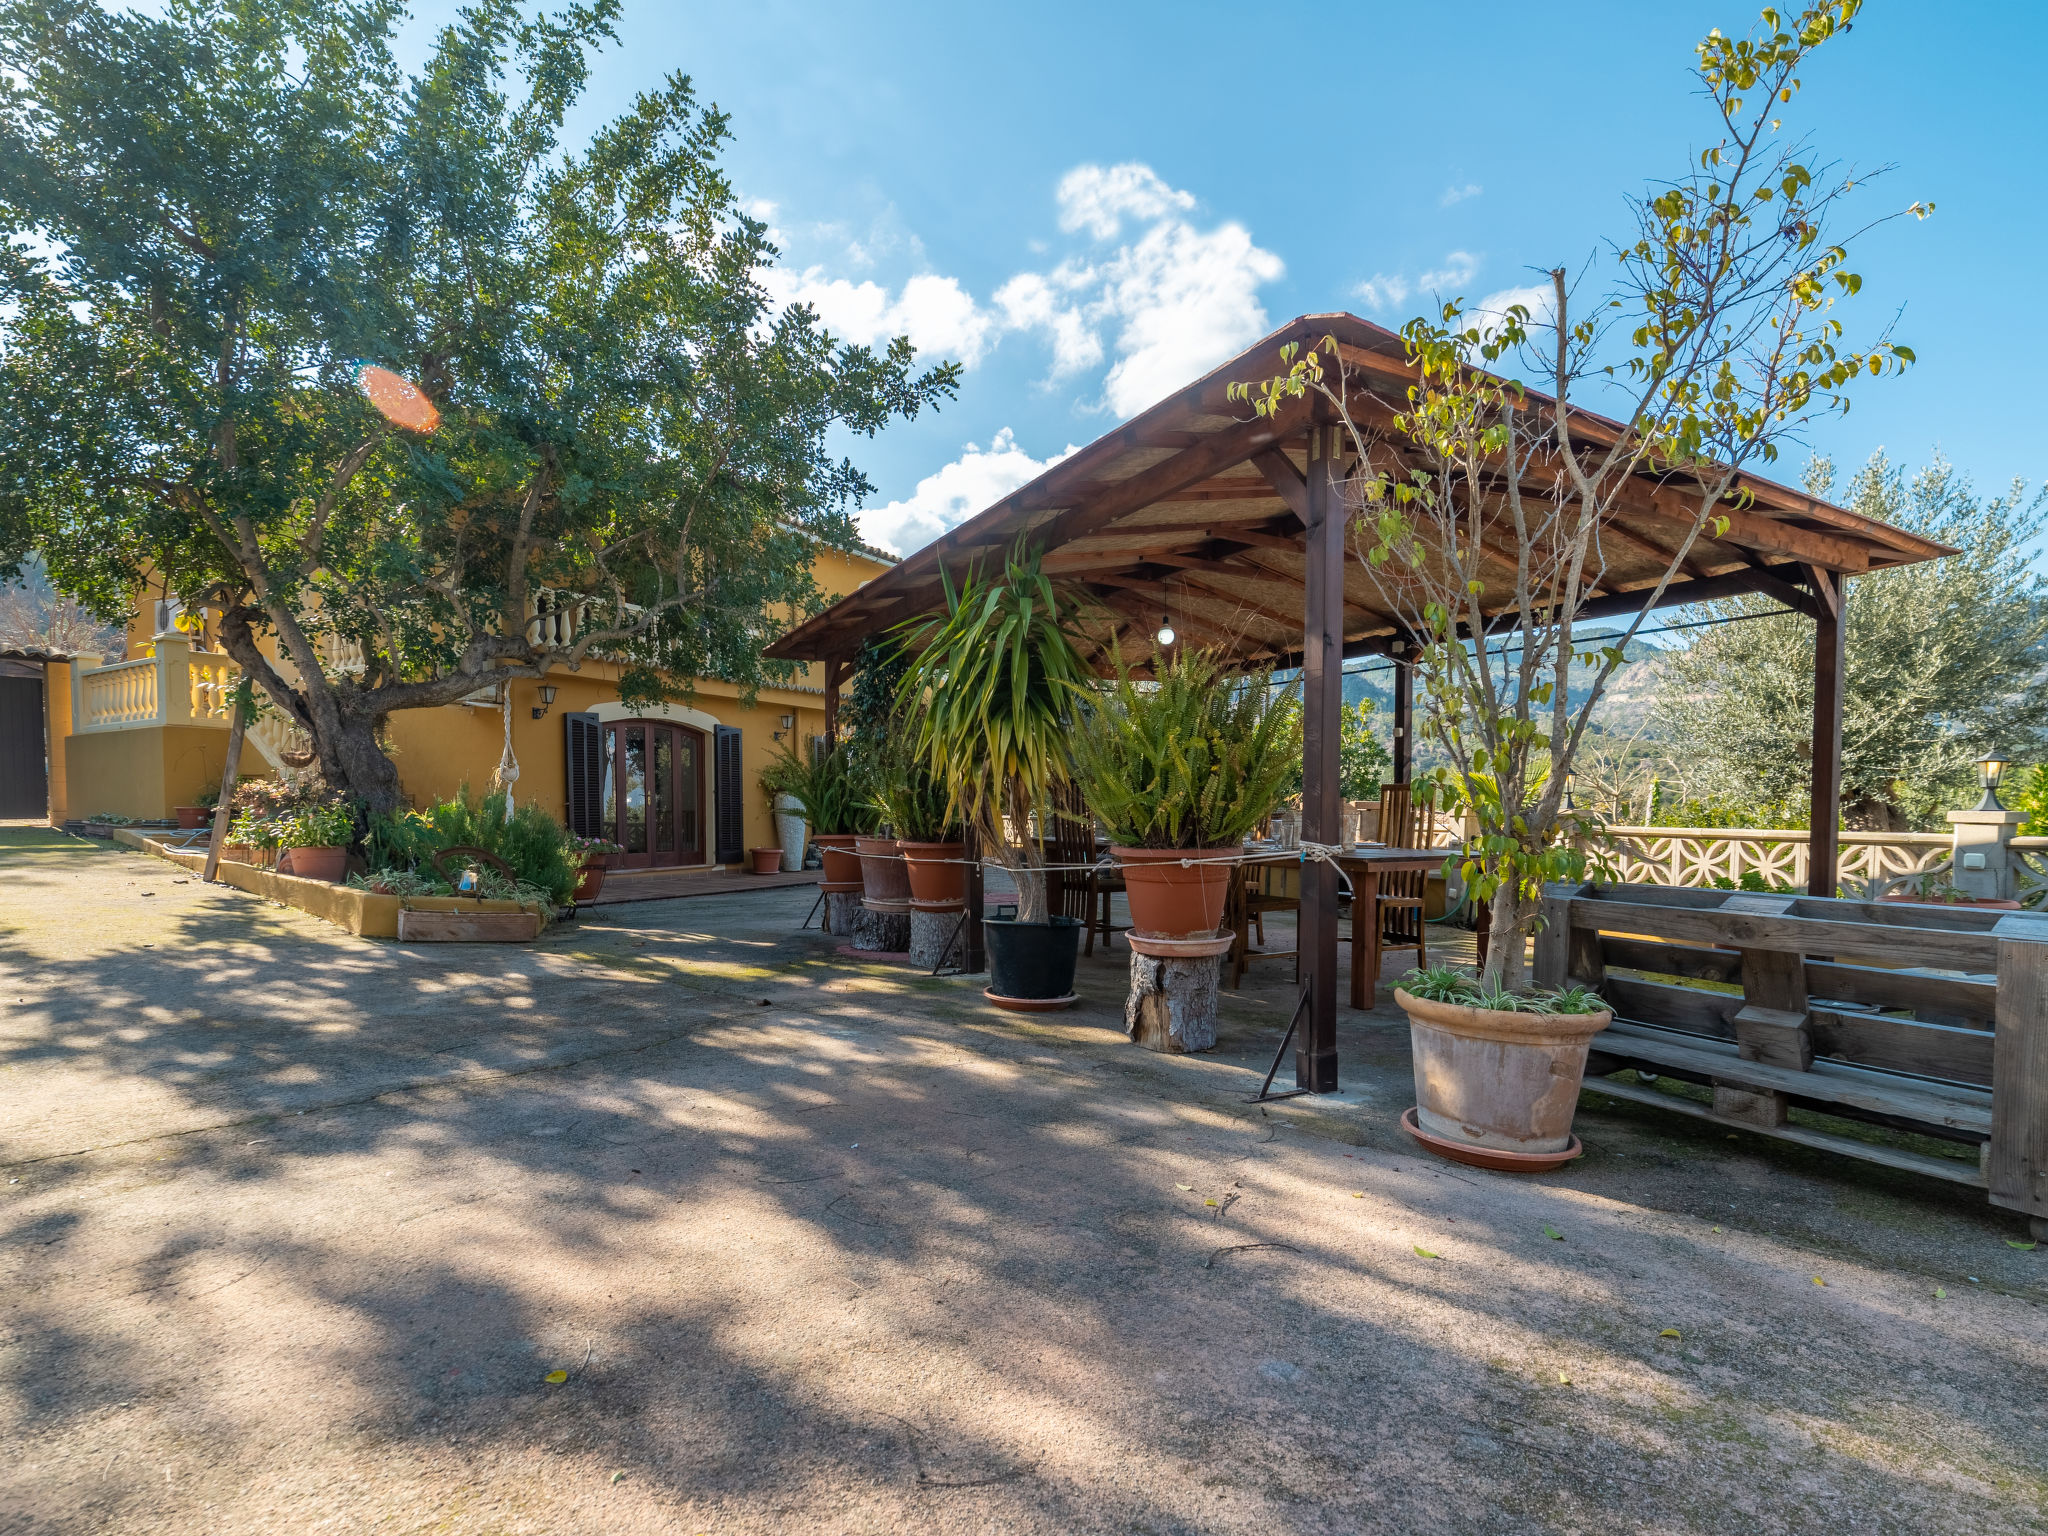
1265, 1095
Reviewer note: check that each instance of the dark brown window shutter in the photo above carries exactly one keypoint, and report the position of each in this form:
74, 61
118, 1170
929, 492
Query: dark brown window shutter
731, 821
586, 774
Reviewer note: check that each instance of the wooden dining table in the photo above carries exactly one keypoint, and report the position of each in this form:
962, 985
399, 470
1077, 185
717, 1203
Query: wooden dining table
1363, 864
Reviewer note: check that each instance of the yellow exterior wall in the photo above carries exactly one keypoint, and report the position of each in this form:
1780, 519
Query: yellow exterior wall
57, 736
144, 773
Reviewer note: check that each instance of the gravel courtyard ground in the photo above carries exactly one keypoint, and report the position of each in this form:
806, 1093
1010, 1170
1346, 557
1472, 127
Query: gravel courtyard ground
679, 1221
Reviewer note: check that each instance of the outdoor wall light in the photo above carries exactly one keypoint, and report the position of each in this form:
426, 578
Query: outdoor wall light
788, 724
1989, 771
547, 700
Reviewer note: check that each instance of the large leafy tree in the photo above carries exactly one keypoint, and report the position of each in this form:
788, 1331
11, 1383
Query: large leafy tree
1945, 661
220, 215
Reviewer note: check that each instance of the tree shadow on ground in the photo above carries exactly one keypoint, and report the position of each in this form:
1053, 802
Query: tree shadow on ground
863, 1256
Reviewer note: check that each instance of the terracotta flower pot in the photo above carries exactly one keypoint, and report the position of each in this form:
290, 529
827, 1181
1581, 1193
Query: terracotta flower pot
328, 864
190, 817
1504, 1081
884, 881
238, 853
768, 861
938, 878
842, 864
1170, 900
589, 881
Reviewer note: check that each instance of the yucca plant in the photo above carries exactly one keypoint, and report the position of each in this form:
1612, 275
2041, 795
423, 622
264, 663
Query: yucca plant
991, 689
1192, 760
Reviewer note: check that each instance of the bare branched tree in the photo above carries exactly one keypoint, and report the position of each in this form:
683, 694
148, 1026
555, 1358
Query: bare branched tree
1487, 513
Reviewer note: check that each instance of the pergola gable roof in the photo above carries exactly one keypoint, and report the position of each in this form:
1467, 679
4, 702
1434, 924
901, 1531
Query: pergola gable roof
1197, 510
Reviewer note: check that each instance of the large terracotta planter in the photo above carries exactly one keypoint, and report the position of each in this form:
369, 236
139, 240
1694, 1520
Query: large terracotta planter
589, 881
884, 880
1172, 900
328, 864
938, 875
1504, 1082
191, 817
767, 861
842, 864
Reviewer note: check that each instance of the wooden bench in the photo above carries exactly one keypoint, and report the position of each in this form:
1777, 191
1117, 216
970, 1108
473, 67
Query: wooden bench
1932, 1019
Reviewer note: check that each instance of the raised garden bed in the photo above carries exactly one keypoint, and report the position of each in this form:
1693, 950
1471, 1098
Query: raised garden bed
366, 913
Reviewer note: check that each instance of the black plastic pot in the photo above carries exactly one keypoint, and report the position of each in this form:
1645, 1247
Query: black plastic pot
1032, 962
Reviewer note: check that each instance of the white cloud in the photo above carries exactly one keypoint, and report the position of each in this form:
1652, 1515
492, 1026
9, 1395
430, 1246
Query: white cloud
936, 313
1453, 195
1383, 290
1458, 269
1187, 300
971, 483
1490, 311
1160, 308
1096, 198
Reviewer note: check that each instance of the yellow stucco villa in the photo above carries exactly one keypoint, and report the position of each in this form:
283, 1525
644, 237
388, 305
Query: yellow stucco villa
141, 734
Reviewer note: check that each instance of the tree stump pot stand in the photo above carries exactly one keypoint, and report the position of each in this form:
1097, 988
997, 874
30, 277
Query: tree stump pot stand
1175, 990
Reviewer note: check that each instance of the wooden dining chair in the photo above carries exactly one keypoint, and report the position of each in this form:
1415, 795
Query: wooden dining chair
1256, 895
1069, 840
1403, 824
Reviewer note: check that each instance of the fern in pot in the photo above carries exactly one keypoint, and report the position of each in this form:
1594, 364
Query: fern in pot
836, 804
1180, 770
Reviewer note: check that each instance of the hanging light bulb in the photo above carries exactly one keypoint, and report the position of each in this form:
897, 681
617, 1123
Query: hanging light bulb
1165, 637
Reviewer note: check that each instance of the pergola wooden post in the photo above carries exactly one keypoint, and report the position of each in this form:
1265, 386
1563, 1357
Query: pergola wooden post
1404, 713
1229, 517
835, 672
1322, 805
1830, 662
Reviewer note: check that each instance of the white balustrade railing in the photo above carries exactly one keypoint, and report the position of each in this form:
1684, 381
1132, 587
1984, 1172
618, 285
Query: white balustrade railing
1875, 862
125, 694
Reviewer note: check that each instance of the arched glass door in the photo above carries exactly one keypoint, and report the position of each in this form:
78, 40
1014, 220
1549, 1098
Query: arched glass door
653, 800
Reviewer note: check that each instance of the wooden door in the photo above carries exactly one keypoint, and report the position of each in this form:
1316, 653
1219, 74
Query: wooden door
24, 781
653, 795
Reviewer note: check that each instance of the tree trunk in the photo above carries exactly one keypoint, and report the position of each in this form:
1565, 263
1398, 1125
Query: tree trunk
353, 761
1506, 960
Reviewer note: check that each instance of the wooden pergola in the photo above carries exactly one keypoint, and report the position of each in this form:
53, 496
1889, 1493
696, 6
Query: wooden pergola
1229, 526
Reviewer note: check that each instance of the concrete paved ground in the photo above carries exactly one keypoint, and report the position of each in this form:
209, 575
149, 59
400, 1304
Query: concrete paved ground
296, 1227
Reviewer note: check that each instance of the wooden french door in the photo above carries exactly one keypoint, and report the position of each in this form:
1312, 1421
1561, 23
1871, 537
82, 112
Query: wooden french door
653, 796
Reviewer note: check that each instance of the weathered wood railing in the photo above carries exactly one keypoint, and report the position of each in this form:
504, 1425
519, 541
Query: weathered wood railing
1923, 1018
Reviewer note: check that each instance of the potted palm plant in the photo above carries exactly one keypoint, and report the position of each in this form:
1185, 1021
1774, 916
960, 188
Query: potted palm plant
991, 687
913, 804
1179, 771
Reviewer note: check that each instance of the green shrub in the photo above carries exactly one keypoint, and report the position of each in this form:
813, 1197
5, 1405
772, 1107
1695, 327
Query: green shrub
1195, 760
533, 842
318, 826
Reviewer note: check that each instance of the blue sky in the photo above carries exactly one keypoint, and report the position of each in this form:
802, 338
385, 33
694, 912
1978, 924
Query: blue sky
1090, 204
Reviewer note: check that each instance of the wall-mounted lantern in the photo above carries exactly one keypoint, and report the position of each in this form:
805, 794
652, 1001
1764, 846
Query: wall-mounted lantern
547, 700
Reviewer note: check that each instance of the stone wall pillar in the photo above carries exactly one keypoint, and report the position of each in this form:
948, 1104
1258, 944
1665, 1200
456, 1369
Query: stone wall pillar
1983, 852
